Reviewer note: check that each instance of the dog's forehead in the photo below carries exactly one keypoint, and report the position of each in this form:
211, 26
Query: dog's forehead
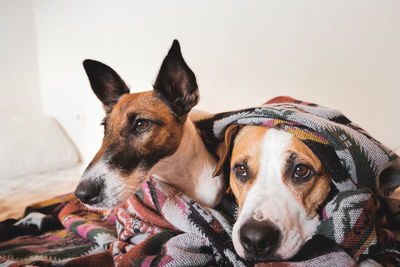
144, 100
253, 137
249, 137
140, 102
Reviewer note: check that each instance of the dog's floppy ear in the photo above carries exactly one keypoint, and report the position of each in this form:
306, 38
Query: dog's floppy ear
176, 83
224, 151
105, 82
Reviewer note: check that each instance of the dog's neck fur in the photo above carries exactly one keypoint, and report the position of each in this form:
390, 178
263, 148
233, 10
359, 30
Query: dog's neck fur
190, 164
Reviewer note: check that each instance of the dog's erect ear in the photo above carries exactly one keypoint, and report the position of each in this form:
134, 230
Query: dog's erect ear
176, 83
224, 151
105, 82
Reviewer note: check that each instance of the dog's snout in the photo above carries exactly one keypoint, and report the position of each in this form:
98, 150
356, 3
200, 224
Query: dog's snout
260, 238
89, 192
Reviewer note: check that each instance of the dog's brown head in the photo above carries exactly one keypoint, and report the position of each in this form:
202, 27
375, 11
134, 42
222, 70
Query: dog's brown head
279, 184
139, 129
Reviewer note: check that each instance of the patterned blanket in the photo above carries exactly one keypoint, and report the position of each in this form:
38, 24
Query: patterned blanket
156, 227
57, 230
159, 226
364, 172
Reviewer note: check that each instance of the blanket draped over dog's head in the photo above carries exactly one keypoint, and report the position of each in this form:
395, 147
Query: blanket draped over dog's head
351, 156
362, 170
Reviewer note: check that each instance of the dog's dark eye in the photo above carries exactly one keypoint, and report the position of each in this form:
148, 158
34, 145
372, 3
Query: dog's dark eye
142, 125
301, 171
240, 171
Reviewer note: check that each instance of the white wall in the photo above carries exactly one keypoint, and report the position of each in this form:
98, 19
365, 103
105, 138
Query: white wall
19, 76
343, 54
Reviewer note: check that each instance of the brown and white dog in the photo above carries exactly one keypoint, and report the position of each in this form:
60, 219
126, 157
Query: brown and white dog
279, 184
148, 134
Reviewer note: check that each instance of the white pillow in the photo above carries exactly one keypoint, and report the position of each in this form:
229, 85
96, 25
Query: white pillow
33, 144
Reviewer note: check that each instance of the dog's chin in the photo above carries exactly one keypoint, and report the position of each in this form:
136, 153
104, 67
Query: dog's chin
262, 258
98, 207
255, 258
105, 205
268, 258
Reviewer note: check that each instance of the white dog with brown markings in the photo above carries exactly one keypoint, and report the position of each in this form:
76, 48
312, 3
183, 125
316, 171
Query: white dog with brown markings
279, 184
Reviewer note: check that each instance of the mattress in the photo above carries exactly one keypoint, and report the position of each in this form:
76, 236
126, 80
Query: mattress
19, 192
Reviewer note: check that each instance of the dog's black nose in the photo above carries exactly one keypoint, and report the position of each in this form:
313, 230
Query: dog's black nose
89, 192
260, 238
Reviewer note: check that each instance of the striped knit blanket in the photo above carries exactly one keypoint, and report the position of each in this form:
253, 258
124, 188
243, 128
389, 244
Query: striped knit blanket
159, 226
364, 172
